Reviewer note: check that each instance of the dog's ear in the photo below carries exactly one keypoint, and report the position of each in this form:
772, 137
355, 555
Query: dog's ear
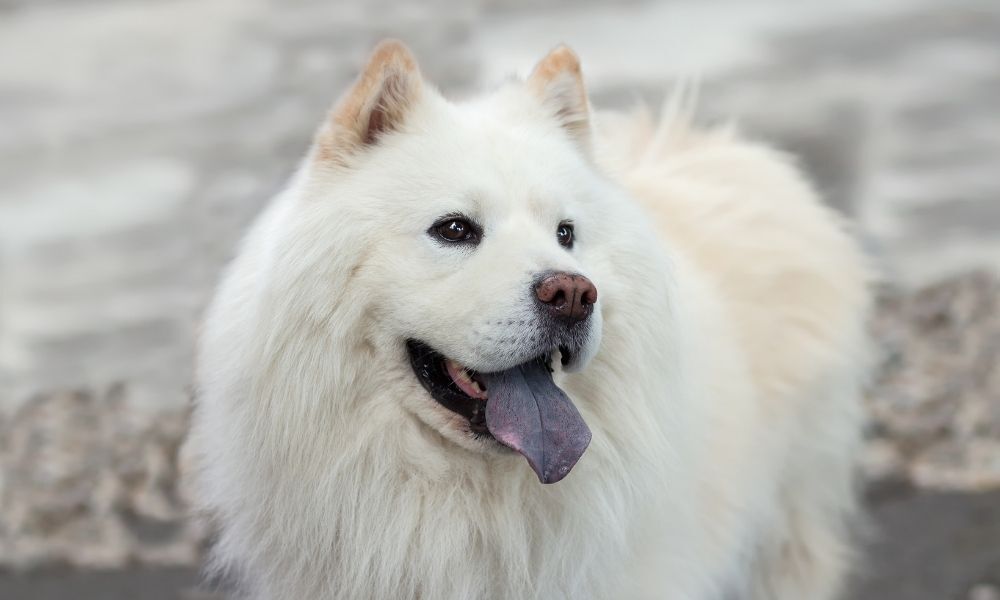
558, 82
378, 103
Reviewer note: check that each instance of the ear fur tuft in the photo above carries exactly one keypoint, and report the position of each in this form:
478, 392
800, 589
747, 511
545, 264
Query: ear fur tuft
378, 103
557, 81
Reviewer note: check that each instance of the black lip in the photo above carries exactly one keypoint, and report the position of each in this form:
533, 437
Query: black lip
429, 367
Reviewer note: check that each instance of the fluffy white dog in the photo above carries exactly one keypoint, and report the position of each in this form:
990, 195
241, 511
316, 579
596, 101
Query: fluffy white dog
454, 304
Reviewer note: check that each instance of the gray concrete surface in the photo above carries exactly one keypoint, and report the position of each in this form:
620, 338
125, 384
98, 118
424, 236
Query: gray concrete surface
140, 137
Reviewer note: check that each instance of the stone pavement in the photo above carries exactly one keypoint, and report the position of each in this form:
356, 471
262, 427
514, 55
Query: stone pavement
141, 136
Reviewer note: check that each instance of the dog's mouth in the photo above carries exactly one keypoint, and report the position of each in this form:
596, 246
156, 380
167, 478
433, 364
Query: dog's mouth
521, 407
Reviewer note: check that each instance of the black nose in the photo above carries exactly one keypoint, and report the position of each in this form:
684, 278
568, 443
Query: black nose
567, 296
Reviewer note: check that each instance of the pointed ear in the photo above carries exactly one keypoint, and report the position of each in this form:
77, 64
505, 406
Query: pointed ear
558, 82
378, 103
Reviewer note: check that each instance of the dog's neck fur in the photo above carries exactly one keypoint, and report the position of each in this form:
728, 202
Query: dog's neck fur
398, 499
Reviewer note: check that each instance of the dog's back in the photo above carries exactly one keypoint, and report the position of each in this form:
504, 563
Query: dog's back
793, 285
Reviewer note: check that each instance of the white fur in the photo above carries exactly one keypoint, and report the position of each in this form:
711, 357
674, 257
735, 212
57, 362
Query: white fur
722, 394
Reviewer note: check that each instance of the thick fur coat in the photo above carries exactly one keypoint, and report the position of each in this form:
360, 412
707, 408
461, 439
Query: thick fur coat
720, 377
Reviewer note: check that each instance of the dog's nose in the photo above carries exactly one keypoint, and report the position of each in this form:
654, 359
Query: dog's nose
568, 296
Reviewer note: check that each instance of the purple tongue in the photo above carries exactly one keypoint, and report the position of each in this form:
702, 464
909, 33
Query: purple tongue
528, 413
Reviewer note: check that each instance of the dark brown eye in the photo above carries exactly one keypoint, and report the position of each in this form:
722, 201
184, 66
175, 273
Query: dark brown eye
455, 229
565, 235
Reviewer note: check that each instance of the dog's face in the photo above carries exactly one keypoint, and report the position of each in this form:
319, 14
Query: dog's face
478, 226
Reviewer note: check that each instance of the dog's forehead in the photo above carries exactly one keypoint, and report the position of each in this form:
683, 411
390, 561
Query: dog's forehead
483, 159
498, 157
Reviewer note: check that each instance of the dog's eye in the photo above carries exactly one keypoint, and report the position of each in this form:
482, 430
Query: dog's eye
565, 235
456, 229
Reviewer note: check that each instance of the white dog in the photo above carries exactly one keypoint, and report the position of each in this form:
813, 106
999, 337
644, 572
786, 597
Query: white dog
454, 304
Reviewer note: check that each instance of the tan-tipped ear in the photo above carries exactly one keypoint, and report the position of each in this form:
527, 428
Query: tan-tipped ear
378, 103
558, 82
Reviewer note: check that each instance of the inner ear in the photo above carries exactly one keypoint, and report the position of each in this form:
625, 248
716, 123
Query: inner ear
557, 81
378, 103
389, 106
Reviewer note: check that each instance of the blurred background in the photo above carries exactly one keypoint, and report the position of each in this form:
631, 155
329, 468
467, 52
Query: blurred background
140, 137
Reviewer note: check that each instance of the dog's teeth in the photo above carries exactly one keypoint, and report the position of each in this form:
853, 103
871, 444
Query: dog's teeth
464, 379
460, 370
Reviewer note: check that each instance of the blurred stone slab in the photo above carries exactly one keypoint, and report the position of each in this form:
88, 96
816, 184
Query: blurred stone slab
935, 402
88, 481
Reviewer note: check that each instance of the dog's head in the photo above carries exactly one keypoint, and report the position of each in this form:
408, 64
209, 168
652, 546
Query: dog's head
472, 231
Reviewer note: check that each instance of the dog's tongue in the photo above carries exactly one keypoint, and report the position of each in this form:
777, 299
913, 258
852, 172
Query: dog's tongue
527, 412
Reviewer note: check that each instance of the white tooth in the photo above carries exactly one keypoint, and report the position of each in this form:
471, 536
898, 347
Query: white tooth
460, 370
